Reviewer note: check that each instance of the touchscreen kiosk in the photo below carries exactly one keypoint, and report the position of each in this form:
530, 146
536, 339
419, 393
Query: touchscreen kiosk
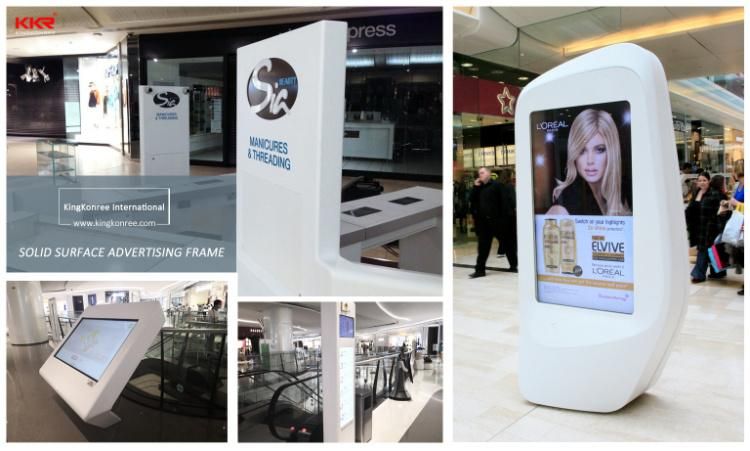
90, 368
290, 128
603, 288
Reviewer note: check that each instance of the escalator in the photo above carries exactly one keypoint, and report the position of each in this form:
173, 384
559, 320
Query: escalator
293, 416
276, 405
183, 372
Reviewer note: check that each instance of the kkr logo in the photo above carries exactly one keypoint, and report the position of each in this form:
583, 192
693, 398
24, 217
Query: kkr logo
35, 23
166, 99
272, 88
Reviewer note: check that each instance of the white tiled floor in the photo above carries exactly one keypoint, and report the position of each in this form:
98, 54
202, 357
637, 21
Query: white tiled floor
391, 419
699, 396
92, 160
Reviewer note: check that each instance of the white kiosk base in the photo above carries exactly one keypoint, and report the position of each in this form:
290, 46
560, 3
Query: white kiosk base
90, 368
597, 328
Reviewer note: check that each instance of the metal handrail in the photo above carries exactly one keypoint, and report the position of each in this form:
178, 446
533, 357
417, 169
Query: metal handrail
376, 358
275, 399
307, 389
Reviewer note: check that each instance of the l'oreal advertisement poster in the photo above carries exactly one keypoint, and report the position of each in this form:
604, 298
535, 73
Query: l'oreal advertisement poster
583, 206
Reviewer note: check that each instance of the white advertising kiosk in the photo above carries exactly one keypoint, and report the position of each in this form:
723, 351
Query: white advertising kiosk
338, 330
164, 118
598, 192
90, 368
290, 127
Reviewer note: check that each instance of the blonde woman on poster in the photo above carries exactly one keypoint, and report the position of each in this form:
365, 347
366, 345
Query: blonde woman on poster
593, 180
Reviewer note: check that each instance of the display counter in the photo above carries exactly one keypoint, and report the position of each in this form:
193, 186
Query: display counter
411, 216
369, 140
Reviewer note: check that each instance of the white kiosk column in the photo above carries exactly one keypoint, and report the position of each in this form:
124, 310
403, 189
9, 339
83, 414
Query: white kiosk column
290, 127
164, 118
279, 330
598, 191
54, 320
26, 324
337, 349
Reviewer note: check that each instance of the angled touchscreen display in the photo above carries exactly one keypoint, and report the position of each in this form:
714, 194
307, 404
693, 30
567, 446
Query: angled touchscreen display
93, 344
583, 206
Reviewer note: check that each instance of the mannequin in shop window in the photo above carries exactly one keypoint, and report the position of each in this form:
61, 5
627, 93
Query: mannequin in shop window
93, 95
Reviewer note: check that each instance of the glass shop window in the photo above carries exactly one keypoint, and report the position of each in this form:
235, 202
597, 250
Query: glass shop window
394, 111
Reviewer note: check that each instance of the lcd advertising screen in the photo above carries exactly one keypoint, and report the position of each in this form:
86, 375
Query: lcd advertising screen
346, 326
93, 344
583, 206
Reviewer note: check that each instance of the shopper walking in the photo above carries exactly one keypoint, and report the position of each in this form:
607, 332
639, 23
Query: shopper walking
508, 233
486, 199
738, 203
704, 223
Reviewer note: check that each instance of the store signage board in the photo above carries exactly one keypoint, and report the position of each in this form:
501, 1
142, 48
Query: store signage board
290, 128
602, 290
164, 118
91, 367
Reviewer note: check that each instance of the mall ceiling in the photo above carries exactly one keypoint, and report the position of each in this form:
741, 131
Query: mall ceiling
95, 30
146, 286
370, 316
306, 316
535, 39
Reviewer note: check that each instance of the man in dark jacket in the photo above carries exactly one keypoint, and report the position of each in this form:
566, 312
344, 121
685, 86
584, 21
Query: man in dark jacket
508, 233
486, 208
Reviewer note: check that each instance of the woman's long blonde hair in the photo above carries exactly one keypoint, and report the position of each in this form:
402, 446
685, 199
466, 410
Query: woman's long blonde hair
587, 124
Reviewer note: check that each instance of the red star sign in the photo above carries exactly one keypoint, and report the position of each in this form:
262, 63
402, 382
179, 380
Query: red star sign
507, 102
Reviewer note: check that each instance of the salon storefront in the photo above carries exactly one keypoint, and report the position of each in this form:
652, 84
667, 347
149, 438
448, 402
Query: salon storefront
393, 91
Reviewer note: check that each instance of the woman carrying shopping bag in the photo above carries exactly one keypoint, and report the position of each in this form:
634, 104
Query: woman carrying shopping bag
705, 226
738, 203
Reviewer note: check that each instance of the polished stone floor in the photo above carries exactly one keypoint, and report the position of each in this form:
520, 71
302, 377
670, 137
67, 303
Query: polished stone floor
36, 413
699, 396
392, 420
92, 160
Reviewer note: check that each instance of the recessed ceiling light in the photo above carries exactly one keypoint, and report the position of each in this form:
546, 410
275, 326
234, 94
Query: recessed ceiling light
389, 313
466, 65
474, 76
354, 50
156, 60
523, 78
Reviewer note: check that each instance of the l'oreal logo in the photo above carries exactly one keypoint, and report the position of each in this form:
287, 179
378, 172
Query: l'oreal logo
166, 99
272, 88
554, 125
35, 23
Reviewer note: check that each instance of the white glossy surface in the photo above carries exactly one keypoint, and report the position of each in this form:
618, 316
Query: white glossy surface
585, 359
392, 419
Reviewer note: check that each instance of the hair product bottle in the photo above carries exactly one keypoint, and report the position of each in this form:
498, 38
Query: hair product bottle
567, 245
551, 235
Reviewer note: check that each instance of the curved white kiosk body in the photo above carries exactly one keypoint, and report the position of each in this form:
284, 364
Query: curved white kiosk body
91, 367
290, 128
603, 290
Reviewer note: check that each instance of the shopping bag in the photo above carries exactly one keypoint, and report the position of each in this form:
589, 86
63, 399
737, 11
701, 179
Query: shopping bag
733, 229
719, 257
